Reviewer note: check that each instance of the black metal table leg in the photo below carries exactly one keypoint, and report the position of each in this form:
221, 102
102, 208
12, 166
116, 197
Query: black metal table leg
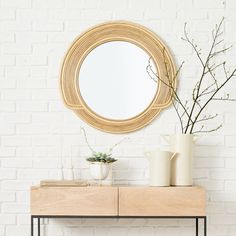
174, 217
32, 226
205, 226
196, 226
38, 226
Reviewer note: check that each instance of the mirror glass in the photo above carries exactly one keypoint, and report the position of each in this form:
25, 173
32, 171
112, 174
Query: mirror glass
113, 80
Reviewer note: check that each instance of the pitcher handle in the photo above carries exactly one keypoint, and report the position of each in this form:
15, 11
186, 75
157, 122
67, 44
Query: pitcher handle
174, 154
195, 138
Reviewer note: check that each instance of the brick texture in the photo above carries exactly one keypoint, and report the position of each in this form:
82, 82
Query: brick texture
37, 130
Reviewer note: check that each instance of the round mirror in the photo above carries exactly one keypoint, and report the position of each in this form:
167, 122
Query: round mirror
113, 80
105, 79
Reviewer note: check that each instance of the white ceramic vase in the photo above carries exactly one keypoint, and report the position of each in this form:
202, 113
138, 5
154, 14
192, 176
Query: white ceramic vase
182, 164
159, 167
99, 170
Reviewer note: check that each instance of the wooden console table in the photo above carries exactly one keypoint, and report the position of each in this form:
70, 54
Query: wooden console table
118, 202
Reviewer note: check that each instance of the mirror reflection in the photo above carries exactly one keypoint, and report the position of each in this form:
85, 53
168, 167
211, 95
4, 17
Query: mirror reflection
113, 80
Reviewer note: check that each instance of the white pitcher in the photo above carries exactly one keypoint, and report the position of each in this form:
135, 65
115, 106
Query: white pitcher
181, 166
159, 167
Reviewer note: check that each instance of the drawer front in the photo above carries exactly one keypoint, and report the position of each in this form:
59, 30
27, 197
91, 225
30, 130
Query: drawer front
164, 201
74, 201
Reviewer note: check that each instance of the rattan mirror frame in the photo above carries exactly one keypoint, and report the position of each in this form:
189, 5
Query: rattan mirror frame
116, 31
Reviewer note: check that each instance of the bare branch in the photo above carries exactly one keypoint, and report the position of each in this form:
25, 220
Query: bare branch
207, 131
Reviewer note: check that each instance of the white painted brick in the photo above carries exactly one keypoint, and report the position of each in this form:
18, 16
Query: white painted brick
231, 208
16, 3
12, 26
51, 117
17, 140
49, 140
7, 83
61, 36
230, 118
48, 4
31, 14
7, 106
142, 5
17, 162
230, 163
31, 83
101, 15
230, 141
31, 60
17, 230
23, 219
31, 37
31, 106
17, 117
210, 4
230, 185
216, 208
226, 174
15, 185
189, 15
2, 230
7, 14
32, 129
45, 26
46, 94
231, 4
6, 129
47, 163
16, 71
13, 48
23, 197
7, 60
24, 152
39, 71
7, 219
7, 37
223, 196
7, 196
225, 220
113, 5
26, 174
215, 185
7, 174
16, 95
7, 152
66, 14
82, 4
209, 162
128, 14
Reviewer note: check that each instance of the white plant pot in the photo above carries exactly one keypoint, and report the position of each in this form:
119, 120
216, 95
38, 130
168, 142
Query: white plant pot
181, 165
99, 170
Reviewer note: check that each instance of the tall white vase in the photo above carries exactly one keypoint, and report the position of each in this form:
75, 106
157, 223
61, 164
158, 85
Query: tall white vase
182, 164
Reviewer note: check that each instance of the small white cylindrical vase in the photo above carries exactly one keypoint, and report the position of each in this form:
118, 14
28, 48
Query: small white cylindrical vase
181, 165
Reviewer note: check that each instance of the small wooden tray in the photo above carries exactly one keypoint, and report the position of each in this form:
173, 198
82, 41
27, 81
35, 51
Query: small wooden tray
63, 183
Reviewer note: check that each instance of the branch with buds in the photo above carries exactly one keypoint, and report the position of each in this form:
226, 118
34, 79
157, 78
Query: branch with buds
190, 112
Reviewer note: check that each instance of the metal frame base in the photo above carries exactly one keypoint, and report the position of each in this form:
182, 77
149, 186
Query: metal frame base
38, 217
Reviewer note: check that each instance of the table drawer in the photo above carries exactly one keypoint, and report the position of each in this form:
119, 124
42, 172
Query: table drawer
162, 201
80, 201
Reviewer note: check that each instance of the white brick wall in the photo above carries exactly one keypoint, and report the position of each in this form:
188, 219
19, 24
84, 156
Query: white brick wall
36, 130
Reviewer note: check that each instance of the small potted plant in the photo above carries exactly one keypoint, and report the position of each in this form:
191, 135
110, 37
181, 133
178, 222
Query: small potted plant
100, 162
